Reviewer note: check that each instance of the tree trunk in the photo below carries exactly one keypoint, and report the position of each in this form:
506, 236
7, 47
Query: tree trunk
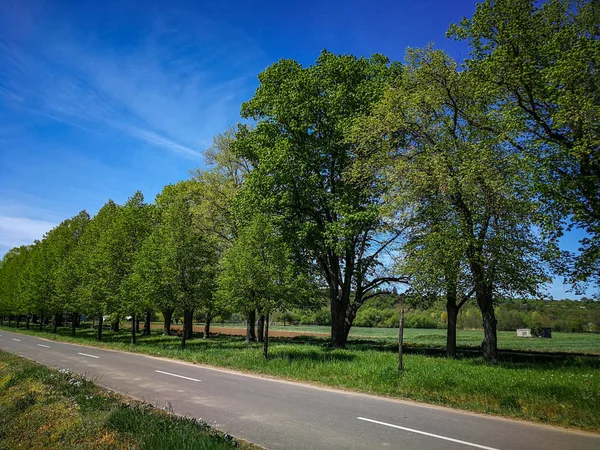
250, 319
260, 329
27, 321
342, 316
207, 326
78, 320
1, 319
59, 320
401, 340
93, 322
116, 324
18, 319
184, 333
266, 335
452, 311
147, 323
55, 324
133, 329
168, 315
100, 326
188, 323
73, 323
41, 321
490, 340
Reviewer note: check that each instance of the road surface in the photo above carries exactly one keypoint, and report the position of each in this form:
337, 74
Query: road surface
278, 414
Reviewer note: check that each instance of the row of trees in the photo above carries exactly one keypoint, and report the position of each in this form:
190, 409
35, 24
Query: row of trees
359, 175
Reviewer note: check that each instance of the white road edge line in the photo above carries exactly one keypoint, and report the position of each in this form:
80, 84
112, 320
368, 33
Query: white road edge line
42, 345
427, 434
85, 354
178, 376
18, 340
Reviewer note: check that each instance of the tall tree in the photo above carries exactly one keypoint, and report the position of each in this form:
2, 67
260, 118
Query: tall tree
447, 168
68, 280
214, 198
188, 257
258, 273
540, 61
130, 229
95, 267
301, 155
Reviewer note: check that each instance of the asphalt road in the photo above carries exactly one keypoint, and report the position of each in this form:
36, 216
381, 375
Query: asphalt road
283, 415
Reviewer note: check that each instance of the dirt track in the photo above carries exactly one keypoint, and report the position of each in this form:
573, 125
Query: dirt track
242, 331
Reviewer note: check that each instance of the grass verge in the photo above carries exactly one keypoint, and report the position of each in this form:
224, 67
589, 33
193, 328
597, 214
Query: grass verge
41, 408
562, 391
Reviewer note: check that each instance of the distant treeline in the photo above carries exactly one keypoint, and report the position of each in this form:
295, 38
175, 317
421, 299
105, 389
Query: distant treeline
573, 316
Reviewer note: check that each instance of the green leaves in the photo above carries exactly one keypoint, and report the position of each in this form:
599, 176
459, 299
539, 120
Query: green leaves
539, 63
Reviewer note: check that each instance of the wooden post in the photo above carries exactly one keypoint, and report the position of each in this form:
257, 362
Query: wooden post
400, 337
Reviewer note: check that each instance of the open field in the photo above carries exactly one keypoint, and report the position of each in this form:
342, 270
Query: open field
588, 343
564, 392
42, 408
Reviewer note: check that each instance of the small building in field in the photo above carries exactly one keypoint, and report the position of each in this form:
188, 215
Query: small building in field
524, 332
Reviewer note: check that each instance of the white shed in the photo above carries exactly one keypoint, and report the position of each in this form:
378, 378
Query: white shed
524, 332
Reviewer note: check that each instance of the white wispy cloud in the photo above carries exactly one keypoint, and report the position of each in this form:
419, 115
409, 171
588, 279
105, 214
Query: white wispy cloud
172, 88
16, 231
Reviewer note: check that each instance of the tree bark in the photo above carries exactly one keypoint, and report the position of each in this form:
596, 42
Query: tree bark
41, 321
452, 311
27, 321
490, 340
250, 319
59, 320
207, 326
9, 319
133, 329
188, 323
73, 323
401, 340
147, 323
55, 324
137, 324
18, 319
342, 316
266, 335
100, 326
168, 315
116, 324
260, 329
184, 333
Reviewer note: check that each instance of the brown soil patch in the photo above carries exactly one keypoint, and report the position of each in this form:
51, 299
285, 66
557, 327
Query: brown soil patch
242, 331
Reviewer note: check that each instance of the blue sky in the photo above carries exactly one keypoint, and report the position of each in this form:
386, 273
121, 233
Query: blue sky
99, 99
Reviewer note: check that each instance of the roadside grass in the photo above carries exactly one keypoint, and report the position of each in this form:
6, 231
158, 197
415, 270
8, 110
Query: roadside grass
561, 391
588, 343
41, 408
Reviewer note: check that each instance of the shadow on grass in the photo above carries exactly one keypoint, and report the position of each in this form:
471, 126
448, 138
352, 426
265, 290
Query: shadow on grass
321, 351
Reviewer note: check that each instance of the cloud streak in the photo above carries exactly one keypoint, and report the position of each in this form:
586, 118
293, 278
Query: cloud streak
167, 87
16, 231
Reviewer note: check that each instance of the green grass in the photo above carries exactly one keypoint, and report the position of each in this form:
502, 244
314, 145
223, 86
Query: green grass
41, 408
562, 391
507, 340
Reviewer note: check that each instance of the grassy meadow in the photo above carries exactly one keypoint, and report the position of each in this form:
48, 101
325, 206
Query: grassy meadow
41, 408
588, 343
561, 391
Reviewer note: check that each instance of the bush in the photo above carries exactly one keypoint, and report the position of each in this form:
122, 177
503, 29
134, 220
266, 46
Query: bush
419, 320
